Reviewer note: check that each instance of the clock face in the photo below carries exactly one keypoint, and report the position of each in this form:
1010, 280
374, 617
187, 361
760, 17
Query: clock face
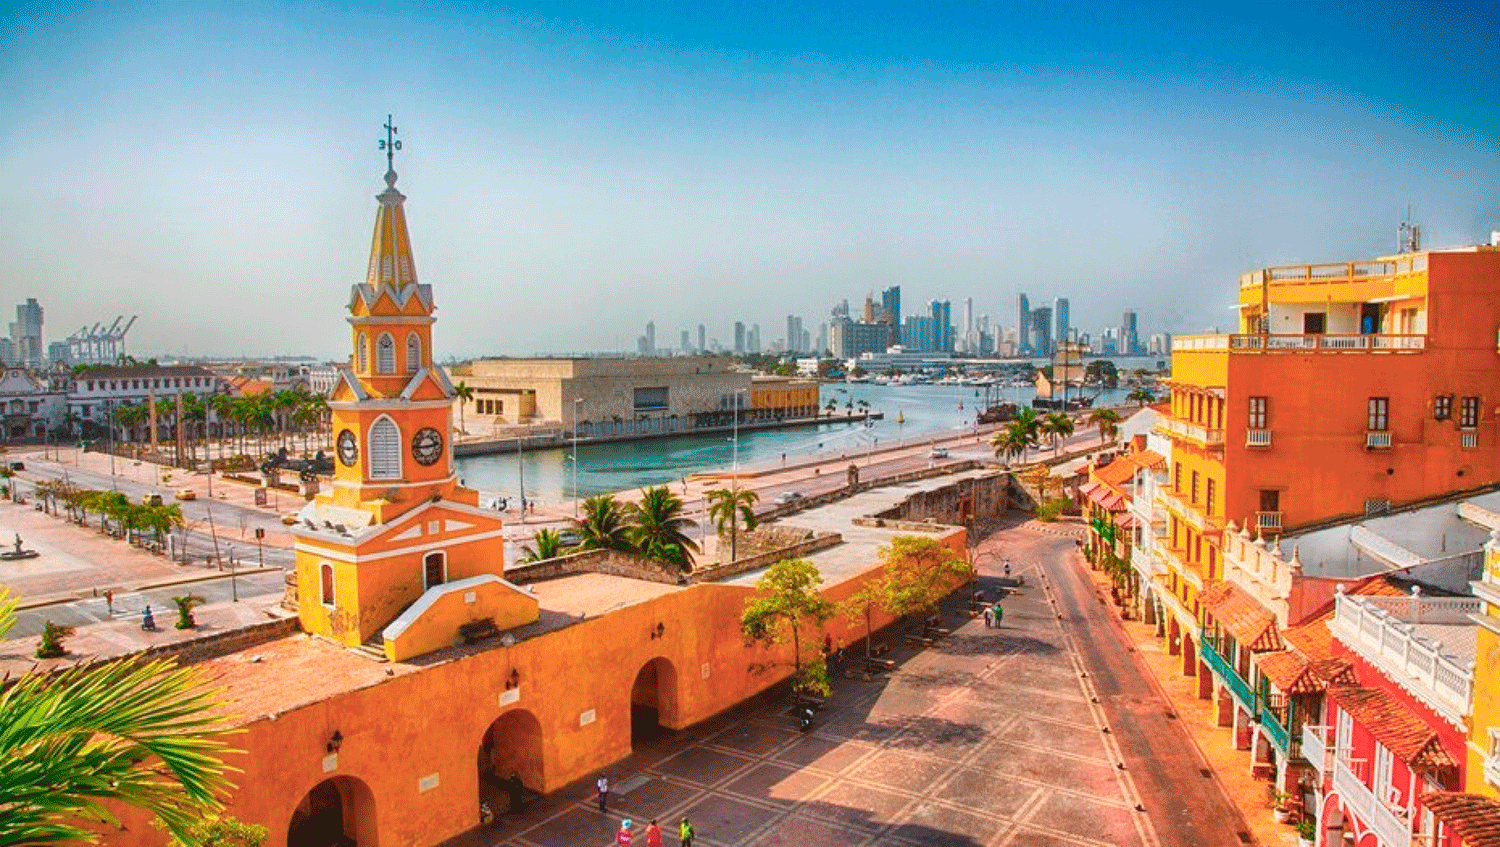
348, 449
427, 446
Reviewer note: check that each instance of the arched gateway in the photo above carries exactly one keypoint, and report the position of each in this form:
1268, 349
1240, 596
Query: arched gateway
653, 702
337, 812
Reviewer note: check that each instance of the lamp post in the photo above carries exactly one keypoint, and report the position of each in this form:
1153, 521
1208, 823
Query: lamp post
109, 420
576, 402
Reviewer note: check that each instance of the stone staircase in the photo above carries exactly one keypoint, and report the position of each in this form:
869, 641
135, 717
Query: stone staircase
374, 648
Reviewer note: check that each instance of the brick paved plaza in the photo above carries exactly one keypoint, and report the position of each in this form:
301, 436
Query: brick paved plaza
987, 738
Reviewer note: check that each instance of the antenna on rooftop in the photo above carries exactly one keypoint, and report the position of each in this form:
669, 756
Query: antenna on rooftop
1409, 235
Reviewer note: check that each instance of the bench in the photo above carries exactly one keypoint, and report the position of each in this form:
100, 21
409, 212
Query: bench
478, 631
877, 665
919, 639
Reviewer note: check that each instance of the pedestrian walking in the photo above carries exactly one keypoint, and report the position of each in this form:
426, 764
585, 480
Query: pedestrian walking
653, 834
109, 600
603, 785
625, 835
989, 618
1007, 568
999, 613
685, 832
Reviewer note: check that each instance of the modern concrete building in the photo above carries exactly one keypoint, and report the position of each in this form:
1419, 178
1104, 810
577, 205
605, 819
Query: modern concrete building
849, 339
1060, 317
1041, 331
1023, 326
26, 335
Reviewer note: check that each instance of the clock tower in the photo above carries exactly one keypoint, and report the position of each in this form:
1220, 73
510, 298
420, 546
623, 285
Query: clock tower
396, 523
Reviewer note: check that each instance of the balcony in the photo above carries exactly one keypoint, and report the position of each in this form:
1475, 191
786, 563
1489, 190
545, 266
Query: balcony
1209, 650
1276, 731
1189, 515
1335, 273
1257, 438
1268, 521
1492, 770
1378, 439
1468, 439
1202, 436
1316, 343
1315, 748
1384, 631
1391, 826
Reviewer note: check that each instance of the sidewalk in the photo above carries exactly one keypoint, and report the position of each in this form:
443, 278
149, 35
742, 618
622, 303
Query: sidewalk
1230, 765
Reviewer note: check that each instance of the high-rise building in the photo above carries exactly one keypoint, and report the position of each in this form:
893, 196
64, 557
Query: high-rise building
1129, 342
26, 335
1060, 319
1041, 331
702, 338
942, 325
822, 345
848, 339
920, 334
739, 338
890, 303
650, 338
794, 342
968, 315
1023, 327
687, 343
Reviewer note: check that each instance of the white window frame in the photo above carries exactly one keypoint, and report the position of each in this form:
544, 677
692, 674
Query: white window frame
1344, 732
1382, 774
384, 466
362, 354
413, 352
385, 354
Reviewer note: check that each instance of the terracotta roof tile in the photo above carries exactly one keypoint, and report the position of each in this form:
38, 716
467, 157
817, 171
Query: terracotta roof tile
1251, 624
1118, 472
1407, 736
1312, 639
1293, 674
1473, 818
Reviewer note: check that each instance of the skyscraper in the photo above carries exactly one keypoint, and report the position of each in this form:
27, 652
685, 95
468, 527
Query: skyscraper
650, 338
1023, 327
1060, 317
702, 338
739, 338
794, 334
890, 302
687, 342
1041, 331
26, 334
1129, 341
942, 325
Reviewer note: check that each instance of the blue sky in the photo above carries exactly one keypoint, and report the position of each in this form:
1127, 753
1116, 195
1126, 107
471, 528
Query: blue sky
574, 171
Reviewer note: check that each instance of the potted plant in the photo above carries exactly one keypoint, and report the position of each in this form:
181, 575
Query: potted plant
1279, 811
1307, 832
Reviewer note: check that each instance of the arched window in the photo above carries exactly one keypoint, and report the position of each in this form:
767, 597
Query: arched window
385, 449
361, 354
385, 354
325, 572
434, 569
413, 353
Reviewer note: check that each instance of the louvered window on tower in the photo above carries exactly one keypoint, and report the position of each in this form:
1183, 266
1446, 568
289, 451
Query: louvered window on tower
361, 353
413, 353
385, 450
385, 354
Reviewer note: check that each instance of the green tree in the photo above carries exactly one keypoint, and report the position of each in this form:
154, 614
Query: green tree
141, 733
1056, 426
603, 525
732, 507
1108, 422
185, 604
465, 394
1102, 372
1142, 396
919, 572
51, 644
546, 545
658, 529
787, 598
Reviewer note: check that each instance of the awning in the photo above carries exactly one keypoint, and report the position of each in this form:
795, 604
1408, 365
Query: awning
1251, 624
1473, 818
1407, 736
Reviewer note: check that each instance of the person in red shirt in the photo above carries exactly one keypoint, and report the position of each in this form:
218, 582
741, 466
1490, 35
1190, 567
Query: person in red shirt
624, 836
653, 834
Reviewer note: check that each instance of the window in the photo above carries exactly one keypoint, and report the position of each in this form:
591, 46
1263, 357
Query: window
385, 449
325, 572
385, 354
1379, 414
1270, 500
1382, 770
1343, 733
1314, 323
1177, 477
361, 354
1208, 498
1257, 413
434, 569
413, 353
1442, 407
1193, 494
1468, 412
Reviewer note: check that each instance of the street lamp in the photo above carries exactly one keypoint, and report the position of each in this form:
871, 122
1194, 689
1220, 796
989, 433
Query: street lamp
576, 402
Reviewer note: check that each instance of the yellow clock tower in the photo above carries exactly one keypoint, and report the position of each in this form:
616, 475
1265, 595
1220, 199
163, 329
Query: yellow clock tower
396, 525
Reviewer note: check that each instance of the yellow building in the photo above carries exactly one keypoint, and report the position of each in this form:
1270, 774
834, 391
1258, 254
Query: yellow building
397, 535
1482, 772
783, 397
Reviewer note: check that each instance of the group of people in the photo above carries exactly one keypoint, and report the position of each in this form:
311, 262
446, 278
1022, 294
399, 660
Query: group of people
994, 613
653, 831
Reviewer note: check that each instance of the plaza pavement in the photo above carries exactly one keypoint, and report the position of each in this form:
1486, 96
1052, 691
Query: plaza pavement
987, 738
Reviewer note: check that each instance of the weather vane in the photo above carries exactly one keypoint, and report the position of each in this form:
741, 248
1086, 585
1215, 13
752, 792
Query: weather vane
390, 144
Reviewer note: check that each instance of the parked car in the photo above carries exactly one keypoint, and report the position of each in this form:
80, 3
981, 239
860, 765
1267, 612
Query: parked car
151, 499
786, 498
289, 520
938, 453
186, 494
569, 538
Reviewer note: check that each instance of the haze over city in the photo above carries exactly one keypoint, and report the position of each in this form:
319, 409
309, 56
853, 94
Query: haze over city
575, 172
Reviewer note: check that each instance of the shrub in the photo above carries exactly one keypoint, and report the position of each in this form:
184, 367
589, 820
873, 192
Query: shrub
1052, 509
51, 646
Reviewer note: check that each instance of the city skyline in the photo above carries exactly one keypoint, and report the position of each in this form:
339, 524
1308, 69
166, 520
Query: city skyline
675, 164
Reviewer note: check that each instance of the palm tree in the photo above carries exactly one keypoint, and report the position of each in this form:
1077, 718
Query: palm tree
732, 507
1142, 396
1011, 442
548, 546
74, 742
657, 528
1056, 426
465, 393
1108, 422
603, 526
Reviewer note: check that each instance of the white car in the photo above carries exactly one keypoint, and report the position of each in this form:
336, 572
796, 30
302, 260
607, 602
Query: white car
786, 498
938, 453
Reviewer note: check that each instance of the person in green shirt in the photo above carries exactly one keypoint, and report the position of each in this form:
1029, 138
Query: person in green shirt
685, 832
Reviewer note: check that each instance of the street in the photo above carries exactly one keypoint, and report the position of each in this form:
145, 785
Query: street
129, 604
